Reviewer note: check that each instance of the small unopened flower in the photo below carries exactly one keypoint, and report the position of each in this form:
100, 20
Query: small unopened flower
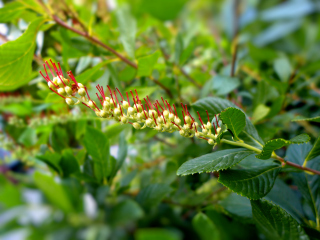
140, 113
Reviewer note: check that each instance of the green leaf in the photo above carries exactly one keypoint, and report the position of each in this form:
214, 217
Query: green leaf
205, 227
275, 144
127, 28
122, 152
16, 57
315, 151
252, 183
115, 129
301, 118
125, 212
97, 145
216, 105
152, 195
260, 112
146, 64
52, 160
87, 75
235, 120
275, 223
283, 68
237, 206
69, 163
308, 185
28, 137
282, 195
223, 85
156, 234
215, 161
54, 191
11, 11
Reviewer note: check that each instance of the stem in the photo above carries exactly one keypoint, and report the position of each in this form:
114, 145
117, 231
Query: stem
235, 35
274, 156
95, 40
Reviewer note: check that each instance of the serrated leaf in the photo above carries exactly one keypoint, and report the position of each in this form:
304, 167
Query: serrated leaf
146, 64
16, 57
301, 118
275, 144
237, 206
215, 161
97, 145
216, 105
235, 120
275, 223
252, 183
315, 151
282, 195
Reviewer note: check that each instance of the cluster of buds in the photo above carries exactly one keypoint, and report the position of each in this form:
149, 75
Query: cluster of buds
140, 113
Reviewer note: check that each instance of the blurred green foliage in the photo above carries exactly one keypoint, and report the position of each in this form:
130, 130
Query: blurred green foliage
66, 174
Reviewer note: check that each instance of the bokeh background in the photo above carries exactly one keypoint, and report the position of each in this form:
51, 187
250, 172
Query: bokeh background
261, 55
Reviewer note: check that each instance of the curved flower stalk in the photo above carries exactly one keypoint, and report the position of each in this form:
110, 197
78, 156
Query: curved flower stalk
140, 113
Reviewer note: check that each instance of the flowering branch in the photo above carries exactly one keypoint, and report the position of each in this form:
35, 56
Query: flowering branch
140, 113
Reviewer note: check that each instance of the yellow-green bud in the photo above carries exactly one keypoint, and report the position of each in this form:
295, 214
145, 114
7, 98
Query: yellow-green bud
82, 92
116, 112
186, 127
136, 125
218, 130
187, 119
60, 83
50, 85
160, 120
68, 90
205, 131
106, 105
198, 134
182, 133
158, 128
104, 114
177, 121
62, 92
209, 126
165, 113
124, 119
131, 110
55, 80
139, 107
125, 105
91, 104
211, 142
149, 122
171, 117
80, 85
70, 101
153, 112
97, 113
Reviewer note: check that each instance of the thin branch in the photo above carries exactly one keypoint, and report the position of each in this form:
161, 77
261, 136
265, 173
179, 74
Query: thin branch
95, 40
297, 166
236, 14
167, 90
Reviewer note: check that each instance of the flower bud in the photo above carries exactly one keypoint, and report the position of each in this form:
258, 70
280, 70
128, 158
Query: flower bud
68, 90
165, 113
195, 124
160, 120
80, 85
182, 133
116, 112
124, 119
106, 105
125, 105
131, 110
209, 126
70, 101
97, 113
218, 130
104, 114
186, 127
50, 85
177, 121
62, 92
136, 125
158, 128
211, 142
60, 83
153, 112
149, 122
139, 107
171, 117
187, 119
197, 134
55, 80
204, 130
91, 104
82, 92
